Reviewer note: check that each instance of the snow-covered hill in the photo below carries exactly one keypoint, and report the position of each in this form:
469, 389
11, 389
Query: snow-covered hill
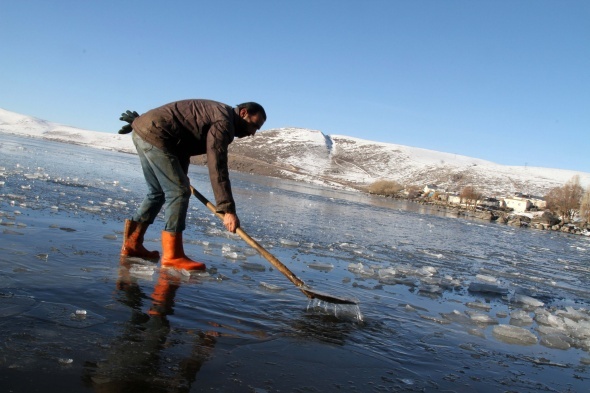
14, 123
340, 161
312, 156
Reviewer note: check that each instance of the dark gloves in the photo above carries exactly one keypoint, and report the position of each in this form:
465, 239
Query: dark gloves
128, 117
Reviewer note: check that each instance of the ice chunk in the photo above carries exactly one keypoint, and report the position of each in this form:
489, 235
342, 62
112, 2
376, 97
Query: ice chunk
488, 279
449, 282
426, 271
557, 341
479, 306
233, 255
547, 319
458, 317
326, 267
91, 209
434, 319
387, 272
431, 289
487, 288
572, 313
289, 243
482, 318
514, 335
271, 287
579, 330
142, 270
359, 268
529, 301
226, 248
521, 317
253, 266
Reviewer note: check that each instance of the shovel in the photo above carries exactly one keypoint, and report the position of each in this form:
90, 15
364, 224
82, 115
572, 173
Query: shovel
310, 293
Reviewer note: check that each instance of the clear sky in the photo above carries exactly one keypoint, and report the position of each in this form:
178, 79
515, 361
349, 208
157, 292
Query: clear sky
504, 80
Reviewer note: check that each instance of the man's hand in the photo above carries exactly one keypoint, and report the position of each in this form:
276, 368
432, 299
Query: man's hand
127, 116
231, 222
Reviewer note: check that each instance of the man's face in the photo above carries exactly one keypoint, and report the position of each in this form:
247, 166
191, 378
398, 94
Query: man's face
254, 122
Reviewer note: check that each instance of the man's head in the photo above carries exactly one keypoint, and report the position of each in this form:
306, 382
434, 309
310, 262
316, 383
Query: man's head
254, 116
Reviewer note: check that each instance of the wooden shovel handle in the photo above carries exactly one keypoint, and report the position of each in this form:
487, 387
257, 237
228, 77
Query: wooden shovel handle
253, 243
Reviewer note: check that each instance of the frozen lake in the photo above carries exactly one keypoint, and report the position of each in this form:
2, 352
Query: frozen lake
447, 304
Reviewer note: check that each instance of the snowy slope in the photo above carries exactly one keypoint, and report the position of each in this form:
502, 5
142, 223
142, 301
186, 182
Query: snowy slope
311, 156
339, 159
14, 123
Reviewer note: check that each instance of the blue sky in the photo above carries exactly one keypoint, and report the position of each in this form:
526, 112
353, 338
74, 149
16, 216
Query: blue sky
506, 81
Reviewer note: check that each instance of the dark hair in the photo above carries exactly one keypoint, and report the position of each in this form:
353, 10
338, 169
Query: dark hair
252, 108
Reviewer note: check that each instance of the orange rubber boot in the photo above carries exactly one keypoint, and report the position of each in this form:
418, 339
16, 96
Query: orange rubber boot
173, 253
133, 241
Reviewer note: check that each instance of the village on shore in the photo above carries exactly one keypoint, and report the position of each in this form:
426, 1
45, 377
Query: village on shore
519, 210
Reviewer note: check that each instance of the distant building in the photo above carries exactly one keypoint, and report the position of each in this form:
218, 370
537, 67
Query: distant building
454, 199
516, 203
490, 202
431, 189
539, 202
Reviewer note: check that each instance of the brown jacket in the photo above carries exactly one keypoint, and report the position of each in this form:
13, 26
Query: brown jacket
192, 127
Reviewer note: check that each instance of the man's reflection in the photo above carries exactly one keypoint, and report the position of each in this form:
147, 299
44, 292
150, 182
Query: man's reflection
135, 362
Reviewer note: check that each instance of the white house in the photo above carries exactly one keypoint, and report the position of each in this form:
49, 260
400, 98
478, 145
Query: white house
518, 204
454, 199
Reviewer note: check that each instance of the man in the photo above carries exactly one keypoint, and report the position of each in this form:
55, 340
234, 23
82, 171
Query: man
165, 139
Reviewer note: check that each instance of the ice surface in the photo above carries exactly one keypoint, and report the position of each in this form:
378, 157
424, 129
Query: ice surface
381, 252
14, 304
64, 314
